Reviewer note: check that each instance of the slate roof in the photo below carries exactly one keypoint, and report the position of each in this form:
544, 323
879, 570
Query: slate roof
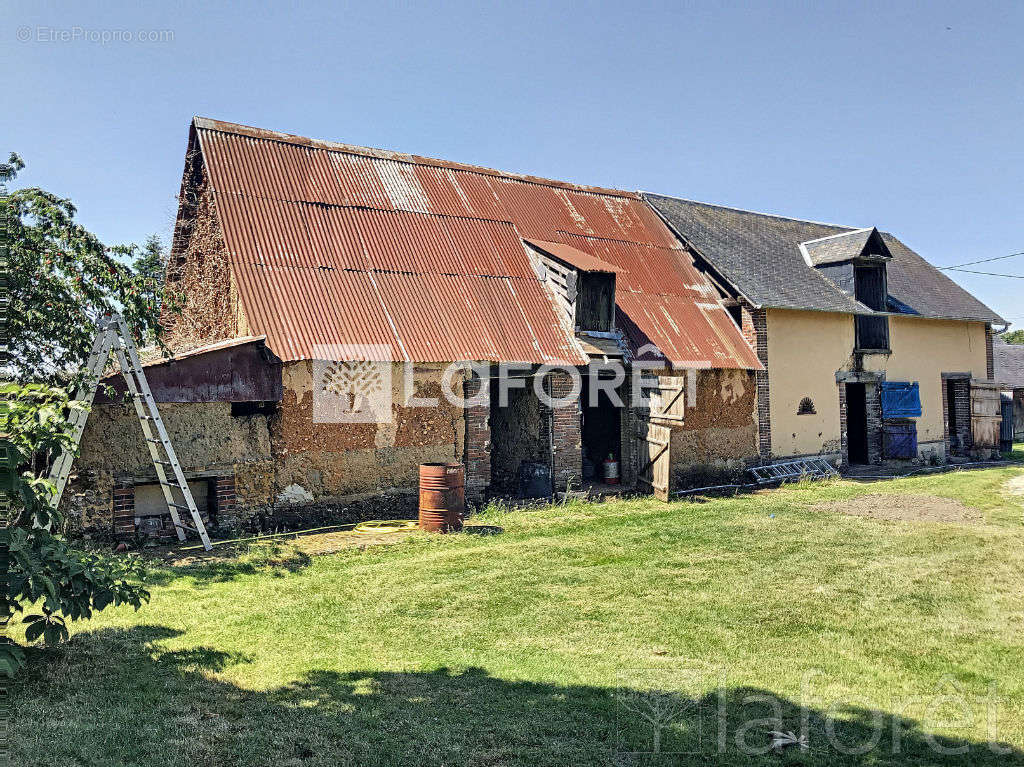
836, 247
760, 255
1009, 362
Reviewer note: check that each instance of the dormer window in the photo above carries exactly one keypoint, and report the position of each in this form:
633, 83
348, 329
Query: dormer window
870, 290
584, 284
855, 261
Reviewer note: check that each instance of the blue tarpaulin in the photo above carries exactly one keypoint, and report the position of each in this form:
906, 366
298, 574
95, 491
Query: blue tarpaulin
900, 399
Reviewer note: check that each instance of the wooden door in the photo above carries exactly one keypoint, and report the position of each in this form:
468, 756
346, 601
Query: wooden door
652, 446
986, 414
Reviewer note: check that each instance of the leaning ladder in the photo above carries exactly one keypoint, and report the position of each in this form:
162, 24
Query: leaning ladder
113, 336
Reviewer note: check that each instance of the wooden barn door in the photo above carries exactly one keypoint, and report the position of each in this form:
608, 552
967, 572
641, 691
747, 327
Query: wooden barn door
652, 449
986, 414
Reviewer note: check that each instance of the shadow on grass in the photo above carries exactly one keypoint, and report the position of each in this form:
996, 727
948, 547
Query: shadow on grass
274, 559
116, 697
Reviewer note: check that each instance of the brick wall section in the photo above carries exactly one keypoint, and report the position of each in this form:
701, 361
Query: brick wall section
873, 402
124, 509
844, 443
224, 499
566, 434
962, 406
960, 441
627, 433
755, 330
990, 365
477, 454
945, 417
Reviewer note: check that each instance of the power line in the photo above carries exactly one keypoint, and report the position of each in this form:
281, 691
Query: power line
982, 261
990, 274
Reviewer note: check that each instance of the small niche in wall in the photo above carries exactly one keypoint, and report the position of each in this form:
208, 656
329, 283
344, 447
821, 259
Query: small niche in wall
806, 407
241, 409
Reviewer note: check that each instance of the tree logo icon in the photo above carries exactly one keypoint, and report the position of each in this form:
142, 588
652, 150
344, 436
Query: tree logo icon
353, 385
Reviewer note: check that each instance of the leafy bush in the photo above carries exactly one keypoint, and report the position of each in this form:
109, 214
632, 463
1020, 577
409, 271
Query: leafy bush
40, 568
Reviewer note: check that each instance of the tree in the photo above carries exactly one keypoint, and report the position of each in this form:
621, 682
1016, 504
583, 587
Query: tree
1014, 337
150, 264
56, 279
60, 278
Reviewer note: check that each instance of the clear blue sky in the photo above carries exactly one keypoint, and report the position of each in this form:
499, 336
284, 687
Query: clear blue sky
906, 116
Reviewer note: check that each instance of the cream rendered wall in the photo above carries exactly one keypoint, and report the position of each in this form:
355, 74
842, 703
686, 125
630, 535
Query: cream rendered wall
922, 350
805, 349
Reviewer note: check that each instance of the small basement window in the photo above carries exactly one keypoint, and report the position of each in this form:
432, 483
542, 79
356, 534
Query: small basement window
152, 516
806, 407
240, 409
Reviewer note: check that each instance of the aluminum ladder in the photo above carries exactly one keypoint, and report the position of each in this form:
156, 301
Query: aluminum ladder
787, 471
113, 336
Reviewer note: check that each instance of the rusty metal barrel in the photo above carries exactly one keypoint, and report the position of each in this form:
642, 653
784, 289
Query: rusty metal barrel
442, 496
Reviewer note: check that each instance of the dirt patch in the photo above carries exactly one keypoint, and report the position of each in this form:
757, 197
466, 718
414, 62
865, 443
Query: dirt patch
906, 508
1015, 486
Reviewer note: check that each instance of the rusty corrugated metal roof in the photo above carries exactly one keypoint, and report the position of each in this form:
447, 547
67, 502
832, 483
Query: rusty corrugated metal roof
574, 256
335, 244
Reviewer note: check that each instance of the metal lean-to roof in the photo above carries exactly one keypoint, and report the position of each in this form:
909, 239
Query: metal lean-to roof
331, 244
574, 256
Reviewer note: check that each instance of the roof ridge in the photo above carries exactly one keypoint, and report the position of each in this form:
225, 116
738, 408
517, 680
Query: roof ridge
838, 234
222, 126
754, 212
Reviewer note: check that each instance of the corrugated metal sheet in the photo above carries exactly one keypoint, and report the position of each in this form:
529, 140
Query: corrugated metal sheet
333, 244
574, 256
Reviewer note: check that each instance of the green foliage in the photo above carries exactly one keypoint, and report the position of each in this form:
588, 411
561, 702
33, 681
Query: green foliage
61, 278
39, 566
1014, 337
150, 263
57, 280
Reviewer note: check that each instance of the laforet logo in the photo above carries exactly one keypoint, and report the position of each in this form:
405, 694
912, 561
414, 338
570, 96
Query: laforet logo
350, 385
357, 382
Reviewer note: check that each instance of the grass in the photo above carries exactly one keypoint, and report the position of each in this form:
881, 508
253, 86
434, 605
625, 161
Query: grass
1017, 452
549, 643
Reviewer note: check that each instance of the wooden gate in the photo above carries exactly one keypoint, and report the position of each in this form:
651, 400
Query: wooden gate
986, 414
652, 445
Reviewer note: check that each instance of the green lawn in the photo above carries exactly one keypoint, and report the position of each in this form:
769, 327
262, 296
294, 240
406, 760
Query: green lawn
546, 644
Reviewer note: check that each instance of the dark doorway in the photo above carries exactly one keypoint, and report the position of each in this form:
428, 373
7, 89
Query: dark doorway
857, 422
954, 434
600, 429
519, 436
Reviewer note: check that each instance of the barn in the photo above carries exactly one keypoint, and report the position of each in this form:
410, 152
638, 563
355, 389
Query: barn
339, 315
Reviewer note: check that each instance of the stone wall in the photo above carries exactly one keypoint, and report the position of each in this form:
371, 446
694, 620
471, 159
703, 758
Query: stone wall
209, 442
720, 430
274, 458
330, 460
